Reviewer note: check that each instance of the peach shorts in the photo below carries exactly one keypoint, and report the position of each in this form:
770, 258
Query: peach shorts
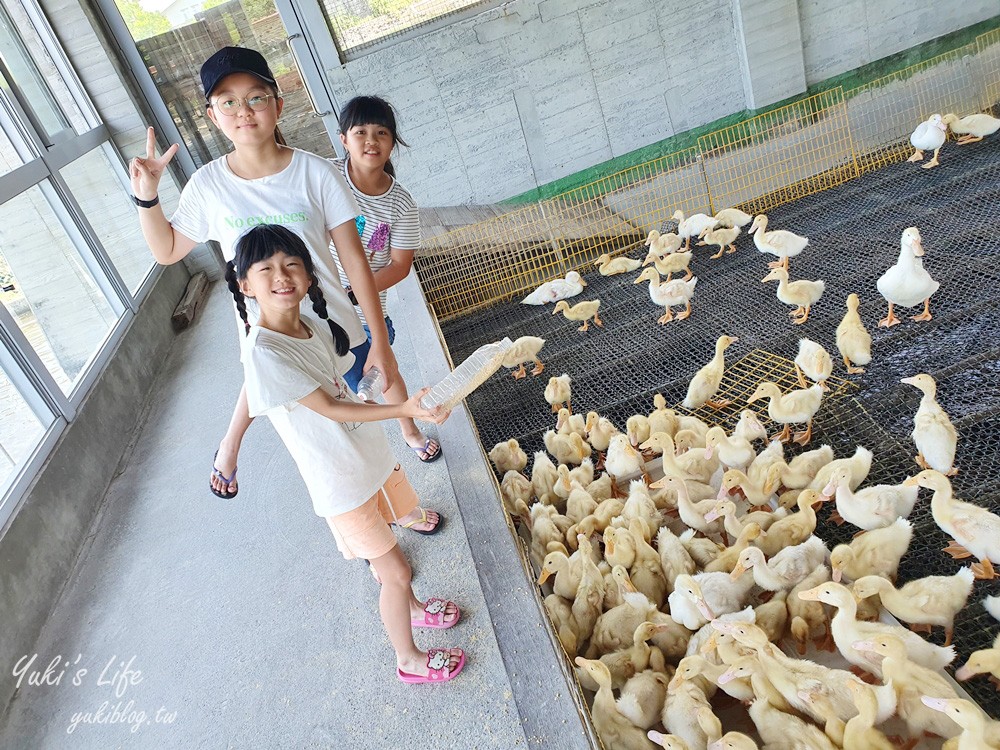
364, 532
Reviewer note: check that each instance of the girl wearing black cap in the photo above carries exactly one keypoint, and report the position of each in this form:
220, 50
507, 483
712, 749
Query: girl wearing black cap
263, 181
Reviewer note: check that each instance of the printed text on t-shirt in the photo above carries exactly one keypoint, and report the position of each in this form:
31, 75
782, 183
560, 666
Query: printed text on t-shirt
236, 222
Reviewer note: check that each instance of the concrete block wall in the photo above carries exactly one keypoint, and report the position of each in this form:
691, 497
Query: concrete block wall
838, 37
525, 93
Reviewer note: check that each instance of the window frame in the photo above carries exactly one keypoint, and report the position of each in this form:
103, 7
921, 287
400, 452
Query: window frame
43, 159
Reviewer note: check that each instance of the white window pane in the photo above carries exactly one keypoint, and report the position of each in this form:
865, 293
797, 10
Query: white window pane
20, 430
95, 183
9, 158
48, 289
34, 72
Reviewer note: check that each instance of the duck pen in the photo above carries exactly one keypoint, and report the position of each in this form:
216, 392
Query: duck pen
830, 167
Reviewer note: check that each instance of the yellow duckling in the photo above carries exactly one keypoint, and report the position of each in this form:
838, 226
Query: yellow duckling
699, 599
733, 741
779, 242
972, 128
733, 217
873, 507
722, 238
794, 407
663, 243
567, 572
637, 428
847, 630
814, 362
624, 664
808, 619
522, 351
559, 392
802, 293
734, 452
705, 383
580, 311
567, 422
853, 339
642, 698
544, 476
857, 466
860, 730
614, 729
786, 569
728, 558
623, 460
776, 727
934, 434
588, 603
984, 661
674, 558
689, 715
794, 528
670, 263
976, 531
563, 623
911, 681
669, 294
662, 419
548, 529
567, 449
925, 602
668, 741
978, 731
516, 491
801, 470
876, 552
508, 456
600, 430
610, 267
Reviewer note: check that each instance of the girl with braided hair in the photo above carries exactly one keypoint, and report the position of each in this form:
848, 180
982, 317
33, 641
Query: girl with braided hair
291, 375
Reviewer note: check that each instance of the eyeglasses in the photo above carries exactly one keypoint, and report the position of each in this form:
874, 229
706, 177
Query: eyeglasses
231, 105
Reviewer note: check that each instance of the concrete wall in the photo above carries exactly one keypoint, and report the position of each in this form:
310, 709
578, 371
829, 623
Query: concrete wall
526, 93
838, 37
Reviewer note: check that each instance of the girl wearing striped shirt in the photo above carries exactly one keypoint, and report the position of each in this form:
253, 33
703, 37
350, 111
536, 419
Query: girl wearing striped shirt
388, 224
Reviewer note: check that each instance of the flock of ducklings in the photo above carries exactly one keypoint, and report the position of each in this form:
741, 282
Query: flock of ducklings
675, 589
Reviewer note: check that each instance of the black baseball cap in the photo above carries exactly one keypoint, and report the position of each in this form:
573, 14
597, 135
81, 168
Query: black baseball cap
234, 60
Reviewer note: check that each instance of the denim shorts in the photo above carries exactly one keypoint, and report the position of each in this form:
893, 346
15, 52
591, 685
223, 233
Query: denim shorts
353, 376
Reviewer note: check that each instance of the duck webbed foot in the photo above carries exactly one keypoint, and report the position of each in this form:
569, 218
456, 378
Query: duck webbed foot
921, 461
933, 162
918, 155
956, 550
519, 372
926, 314
983, 571
538, 368
890, 319
687, 312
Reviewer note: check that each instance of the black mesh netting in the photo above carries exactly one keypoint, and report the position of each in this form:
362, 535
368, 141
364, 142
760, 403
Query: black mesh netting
853, 235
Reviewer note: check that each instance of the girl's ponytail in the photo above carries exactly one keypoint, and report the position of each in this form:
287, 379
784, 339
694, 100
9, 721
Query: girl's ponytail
341, 342
234, 287
278, 137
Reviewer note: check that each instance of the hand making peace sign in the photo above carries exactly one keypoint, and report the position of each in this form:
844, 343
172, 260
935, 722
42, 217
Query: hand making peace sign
145, 172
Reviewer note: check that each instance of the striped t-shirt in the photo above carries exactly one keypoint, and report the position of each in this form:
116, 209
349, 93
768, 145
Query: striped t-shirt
386, 221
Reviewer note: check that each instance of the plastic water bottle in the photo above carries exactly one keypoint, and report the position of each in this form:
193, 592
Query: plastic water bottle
370, 386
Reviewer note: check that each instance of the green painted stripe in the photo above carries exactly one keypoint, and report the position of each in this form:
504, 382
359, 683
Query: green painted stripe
849, 80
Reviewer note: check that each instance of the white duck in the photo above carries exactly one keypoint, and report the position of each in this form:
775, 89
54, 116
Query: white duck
972, 128
692, 226
734, 452
524, 350
669, 294
933, 432
733, 217
928, 136
553, 291
623, 460
907, 283
870, 508
778, 242
703, 386
662, 244
699, 599
722, 238
794, 407
813, 362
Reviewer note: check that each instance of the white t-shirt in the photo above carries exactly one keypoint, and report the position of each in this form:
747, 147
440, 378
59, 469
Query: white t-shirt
343, 463
309, 196
385, 222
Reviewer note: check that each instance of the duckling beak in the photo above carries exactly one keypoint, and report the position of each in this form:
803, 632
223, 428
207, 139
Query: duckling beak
911, 482
640, 279
756, 396
658, 484
937, 704
675, 681
711, 515
583, 282
837, 575
555, 310
648, 259
629, 586
543, 577
709, 450
918, 248
705, 610
739, 570
964, 673
812, 595
726, 677
609, 547
830, 489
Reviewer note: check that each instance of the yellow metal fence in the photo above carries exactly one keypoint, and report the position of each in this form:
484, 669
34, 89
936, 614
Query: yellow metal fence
810, 145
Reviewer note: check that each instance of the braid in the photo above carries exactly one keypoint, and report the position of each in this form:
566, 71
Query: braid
341, 342
234, 287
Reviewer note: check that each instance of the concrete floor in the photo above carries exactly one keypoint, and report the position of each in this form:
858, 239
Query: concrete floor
239, 620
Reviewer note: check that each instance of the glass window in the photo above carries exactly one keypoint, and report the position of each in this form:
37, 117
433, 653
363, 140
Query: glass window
48, 289
20, 429
9, 158
43, 89
97, 184
176, 41
357, 24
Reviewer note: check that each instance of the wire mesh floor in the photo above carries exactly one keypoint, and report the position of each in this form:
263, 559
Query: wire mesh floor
853, 235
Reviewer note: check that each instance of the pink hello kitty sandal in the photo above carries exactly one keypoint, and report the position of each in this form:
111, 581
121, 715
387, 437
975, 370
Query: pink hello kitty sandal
439, 664
434, 610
